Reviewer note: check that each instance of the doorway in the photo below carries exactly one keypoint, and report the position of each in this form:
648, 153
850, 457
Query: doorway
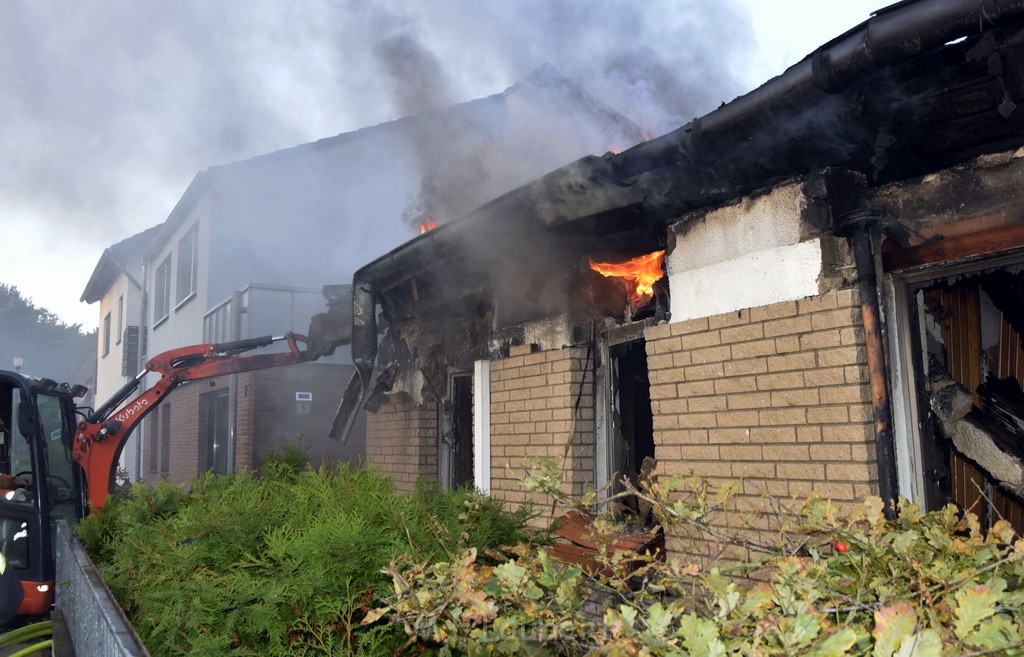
963, 349
625, 423
455, 447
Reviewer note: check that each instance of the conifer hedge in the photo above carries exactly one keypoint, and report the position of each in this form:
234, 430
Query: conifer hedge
285, 563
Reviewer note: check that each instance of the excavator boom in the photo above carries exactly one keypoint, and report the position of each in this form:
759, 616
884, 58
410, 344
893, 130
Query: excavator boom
99, 439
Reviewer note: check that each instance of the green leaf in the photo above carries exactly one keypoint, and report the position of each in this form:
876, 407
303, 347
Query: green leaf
803, 628
974, 605
628, 615
921, 644
837, 645
893, 623
511, 573
700, 636
658, 620
996, 634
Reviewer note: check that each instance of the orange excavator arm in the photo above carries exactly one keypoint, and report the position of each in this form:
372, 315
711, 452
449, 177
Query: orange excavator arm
100, 438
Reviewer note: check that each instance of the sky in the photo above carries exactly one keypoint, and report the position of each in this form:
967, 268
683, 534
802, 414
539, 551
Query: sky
108, 109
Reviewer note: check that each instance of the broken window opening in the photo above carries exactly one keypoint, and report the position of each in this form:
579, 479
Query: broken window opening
456, 436
968, 362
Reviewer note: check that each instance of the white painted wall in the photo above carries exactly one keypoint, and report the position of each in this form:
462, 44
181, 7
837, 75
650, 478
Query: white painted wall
743, 256
108, 367
184, 324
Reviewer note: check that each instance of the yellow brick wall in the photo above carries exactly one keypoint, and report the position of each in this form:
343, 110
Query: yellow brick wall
776, 396
401, 439
533, 399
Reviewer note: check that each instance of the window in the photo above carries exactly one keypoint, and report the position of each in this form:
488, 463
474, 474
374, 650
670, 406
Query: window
106, 335
217, 430
162, 292
188, 265
120, 320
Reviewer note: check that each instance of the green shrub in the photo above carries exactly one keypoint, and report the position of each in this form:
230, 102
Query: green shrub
828, 584
286, 563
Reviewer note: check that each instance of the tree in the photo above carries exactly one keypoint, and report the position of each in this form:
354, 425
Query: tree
51, 348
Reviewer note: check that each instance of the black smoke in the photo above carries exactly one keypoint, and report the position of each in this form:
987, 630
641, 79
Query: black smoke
109, 108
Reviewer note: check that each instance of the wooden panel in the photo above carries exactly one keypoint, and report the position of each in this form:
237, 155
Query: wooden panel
987, 242
961, 331
967, 484
1009, 508
1011, 352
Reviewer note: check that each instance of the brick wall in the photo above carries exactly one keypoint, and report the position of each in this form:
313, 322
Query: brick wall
267, 410
533, 395
777, 396
401, 439
266, 419
184, 440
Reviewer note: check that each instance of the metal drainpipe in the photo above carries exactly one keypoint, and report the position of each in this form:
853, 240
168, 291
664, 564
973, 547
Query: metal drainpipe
236, 334
140, 364
859, 229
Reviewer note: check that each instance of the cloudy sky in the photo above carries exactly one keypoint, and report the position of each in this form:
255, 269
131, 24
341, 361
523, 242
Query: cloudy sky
109, 108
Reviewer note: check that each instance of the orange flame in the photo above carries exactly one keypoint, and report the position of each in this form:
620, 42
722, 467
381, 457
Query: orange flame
427, 224
643, 271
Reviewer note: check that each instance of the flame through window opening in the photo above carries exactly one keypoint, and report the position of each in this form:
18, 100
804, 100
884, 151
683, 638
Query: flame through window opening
640, 274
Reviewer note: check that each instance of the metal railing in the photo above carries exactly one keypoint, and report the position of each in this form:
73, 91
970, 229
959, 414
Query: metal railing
95, 622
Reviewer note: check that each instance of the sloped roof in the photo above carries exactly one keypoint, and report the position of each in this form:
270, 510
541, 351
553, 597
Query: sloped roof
544, 84
115, 261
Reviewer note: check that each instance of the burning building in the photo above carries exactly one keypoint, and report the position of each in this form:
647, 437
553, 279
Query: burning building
827, 255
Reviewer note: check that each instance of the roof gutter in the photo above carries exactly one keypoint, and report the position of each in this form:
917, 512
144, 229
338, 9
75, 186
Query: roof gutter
893, 35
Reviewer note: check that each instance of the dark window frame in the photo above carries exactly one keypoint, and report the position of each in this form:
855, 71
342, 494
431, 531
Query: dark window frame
105, 338
162, 292
120, 319
188, 267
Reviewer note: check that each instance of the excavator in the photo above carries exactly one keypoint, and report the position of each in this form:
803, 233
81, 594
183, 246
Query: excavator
59, 460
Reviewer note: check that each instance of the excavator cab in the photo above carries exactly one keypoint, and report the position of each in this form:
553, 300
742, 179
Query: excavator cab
39, 483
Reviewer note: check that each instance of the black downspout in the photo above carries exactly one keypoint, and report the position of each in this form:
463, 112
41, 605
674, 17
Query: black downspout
858, 228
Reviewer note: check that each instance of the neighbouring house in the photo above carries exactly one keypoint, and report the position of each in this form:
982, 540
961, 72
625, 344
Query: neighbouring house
840, 311
116, 283
249, 246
